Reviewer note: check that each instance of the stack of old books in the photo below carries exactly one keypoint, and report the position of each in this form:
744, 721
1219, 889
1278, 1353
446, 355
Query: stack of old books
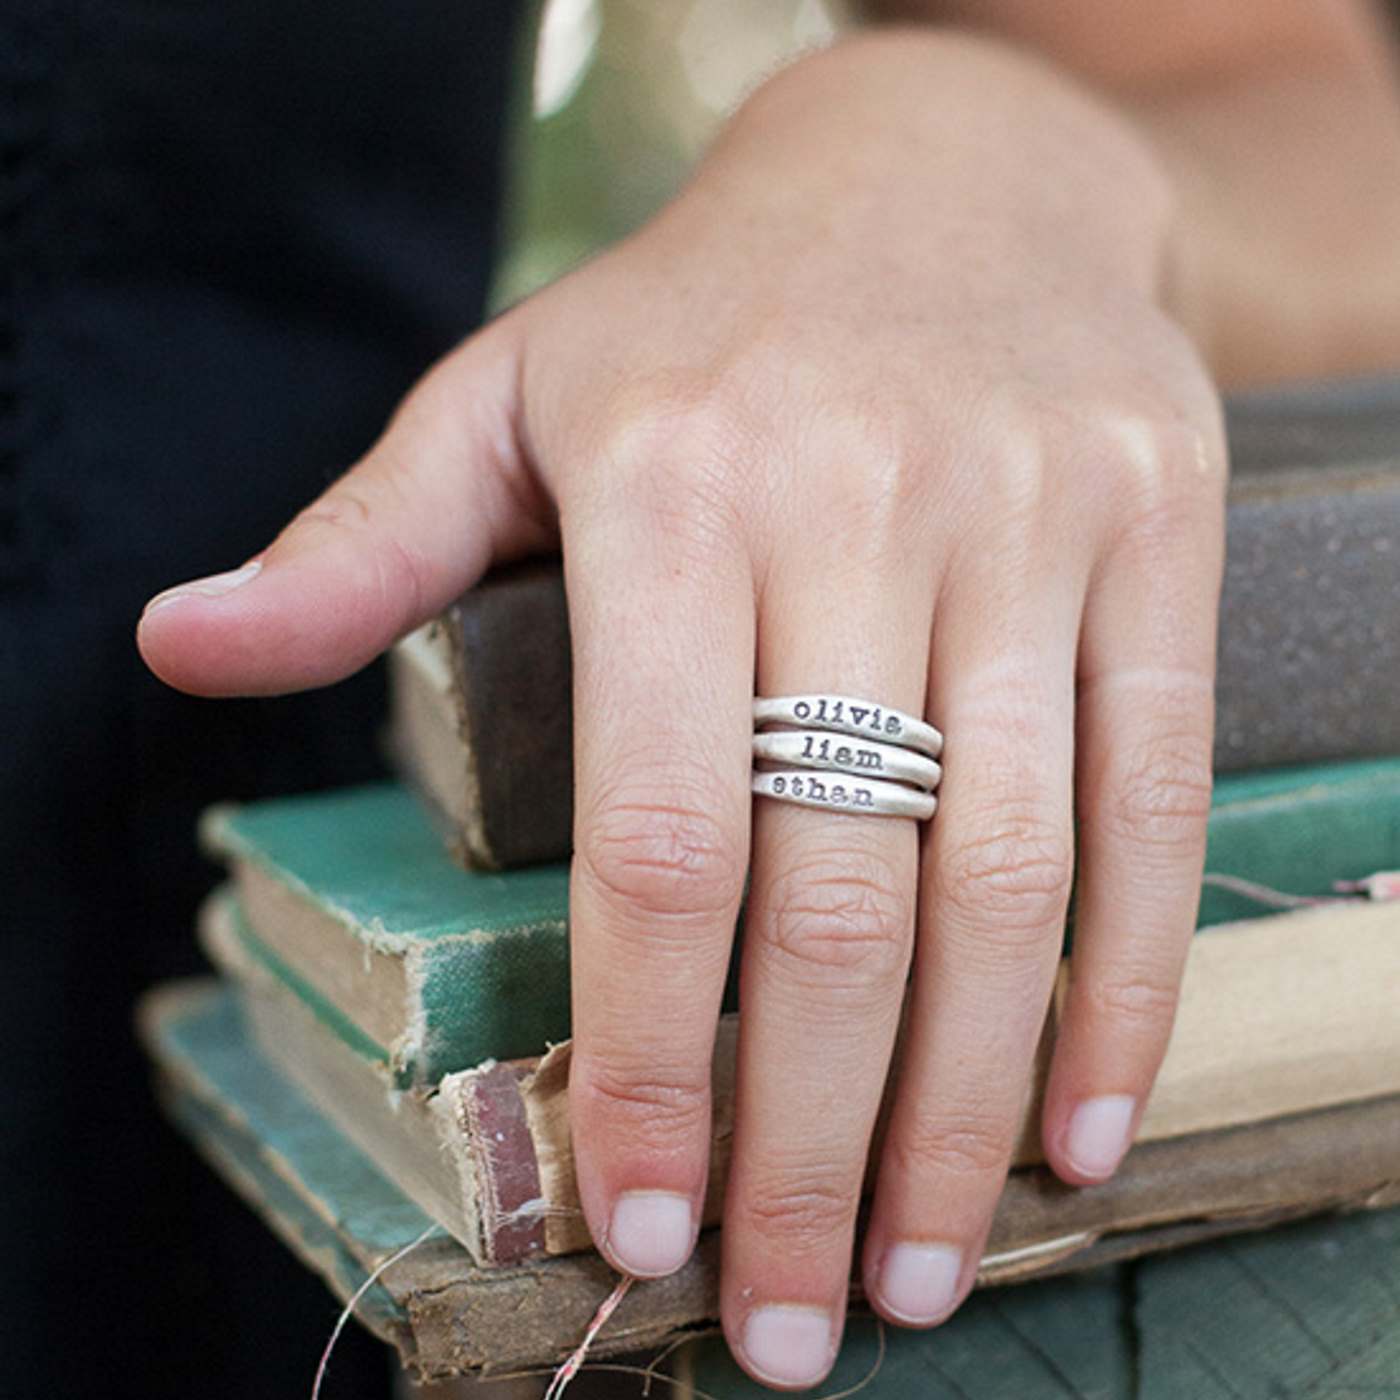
387, 1043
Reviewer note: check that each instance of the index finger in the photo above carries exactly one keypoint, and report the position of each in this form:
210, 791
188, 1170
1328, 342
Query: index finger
662, 632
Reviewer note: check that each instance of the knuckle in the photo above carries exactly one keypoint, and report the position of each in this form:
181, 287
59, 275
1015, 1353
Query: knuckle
959, 1145
643, 423
342, 508
674, 457
1015, 478
801, 1210
885, 494
1161, 797
1172, 477
1011, 867
841, 916
1136, 1004
660, 858
361, 514
654, 1108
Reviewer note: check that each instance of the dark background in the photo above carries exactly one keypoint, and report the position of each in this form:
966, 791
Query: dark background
233, 235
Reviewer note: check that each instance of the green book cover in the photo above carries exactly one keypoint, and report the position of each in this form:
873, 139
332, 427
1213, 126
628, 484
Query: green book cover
353, 894
481, 959
1296, 829
1299, 828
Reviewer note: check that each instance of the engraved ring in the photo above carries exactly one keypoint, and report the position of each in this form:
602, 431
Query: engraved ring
861, 718
884, 766
871, 796
818, 748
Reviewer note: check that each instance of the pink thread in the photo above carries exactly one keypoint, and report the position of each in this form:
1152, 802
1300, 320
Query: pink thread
571, 1365
1383, 885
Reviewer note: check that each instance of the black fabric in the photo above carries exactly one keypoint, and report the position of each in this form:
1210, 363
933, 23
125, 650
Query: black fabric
234, 232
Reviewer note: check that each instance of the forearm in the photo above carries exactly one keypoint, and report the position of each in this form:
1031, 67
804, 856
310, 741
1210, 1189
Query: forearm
1279, 126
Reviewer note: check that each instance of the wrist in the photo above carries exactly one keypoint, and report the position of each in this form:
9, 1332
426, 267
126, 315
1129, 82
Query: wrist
1284, 268
954, 127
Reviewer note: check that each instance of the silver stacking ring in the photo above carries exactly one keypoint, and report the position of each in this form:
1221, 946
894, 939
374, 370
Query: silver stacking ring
884, 766
817, 748
868, 795
862, 718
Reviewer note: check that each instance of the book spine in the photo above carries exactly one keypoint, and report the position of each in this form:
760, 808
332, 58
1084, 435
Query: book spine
470, 999
503, 1163
513, 668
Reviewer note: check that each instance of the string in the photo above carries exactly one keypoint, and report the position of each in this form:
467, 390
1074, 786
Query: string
575, 1359
355, 1297
650, 1373
1383, 885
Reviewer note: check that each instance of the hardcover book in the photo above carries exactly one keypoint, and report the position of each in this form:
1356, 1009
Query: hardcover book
1278, 1016
447, 1317
437, 968
1308, 657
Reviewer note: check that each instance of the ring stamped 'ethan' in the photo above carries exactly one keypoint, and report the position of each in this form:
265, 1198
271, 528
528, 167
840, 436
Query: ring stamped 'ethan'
868, 796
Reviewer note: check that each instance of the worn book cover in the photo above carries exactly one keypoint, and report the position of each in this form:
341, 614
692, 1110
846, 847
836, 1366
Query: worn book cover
1278, 1016
438, 966
448, 1317
353, 897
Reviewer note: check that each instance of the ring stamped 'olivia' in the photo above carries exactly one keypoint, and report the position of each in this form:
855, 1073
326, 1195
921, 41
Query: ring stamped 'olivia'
817, 748
863, 719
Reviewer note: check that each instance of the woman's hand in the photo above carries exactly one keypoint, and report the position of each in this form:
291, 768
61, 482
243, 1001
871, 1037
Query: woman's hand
883, 404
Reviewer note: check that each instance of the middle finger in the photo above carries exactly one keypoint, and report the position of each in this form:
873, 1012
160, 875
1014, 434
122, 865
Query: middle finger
995, 887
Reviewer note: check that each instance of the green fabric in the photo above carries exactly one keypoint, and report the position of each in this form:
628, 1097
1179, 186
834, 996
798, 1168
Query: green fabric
353, 1203
1299, 828
487, 954
278, 1202
371, 857
1295, 829
1313, 1310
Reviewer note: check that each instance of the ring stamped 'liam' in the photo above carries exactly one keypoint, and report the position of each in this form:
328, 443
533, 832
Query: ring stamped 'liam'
867, 758
863, 719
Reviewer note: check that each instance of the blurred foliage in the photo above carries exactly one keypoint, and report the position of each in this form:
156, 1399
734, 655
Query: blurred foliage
614, 100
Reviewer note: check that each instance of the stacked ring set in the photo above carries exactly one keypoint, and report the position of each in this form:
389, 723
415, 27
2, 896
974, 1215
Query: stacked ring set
883, 759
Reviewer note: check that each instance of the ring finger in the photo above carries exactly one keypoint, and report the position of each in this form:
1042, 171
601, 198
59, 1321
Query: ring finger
828, 933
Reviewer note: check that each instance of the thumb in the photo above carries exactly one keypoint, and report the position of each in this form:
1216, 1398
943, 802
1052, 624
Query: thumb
442, 495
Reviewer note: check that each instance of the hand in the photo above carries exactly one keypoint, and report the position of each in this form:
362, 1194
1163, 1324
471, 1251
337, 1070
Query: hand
884, 403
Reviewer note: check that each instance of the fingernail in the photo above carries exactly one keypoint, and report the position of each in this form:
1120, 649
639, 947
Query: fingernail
650, 1232
919, 1282
215, 586
788, 1343
1098, 1134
